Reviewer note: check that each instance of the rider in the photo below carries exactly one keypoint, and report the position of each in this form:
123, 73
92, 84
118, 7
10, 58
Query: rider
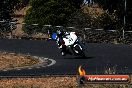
61, 43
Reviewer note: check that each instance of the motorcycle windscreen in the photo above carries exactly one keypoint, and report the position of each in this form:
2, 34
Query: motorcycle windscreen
54, 36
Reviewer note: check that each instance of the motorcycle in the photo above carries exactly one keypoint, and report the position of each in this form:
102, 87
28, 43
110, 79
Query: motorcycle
70, 43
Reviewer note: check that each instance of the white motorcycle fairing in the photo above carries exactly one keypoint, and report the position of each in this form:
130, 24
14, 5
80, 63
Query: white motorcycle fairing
70, 39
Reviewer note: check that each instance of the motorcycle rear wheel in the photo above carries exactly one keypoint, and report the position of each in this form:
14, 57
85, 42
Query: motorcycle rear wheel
78, 50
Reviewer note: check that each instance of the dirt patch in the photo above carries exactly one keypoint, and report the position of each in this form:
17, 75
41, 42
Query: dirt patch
94, 11
18, 31
53, 82
12, 60
47, 82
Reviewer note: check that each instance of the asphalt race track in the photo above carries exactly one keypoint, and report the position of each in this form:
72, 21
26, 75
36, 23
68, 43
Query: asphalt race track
99, 57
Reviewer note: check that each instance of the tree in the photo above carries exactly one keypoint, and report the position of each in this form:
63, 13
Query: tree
6, 8
76, 3
118, 6
79, 20
111, 5
53, 12
21, 4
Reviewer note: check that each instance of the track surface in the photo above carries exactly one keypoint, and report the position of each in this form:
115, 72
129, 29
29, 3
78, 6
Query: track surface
99, 57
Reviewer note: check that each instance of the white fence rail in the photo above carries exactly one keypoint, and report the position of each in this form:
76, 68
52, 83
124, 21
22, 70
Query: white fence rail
83, 31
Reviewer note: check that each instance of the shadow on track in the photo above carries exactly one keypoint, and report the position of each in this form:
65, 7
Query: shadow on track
79, 58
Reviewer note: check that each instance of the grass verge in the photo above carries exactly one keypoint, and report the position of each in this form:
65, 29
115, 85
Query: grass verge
12, 60
53, 82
